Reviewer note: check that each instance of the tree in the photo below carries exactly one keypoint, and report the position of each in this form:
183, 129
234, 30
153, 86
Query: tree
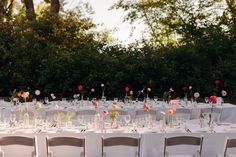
6, 9
172, 22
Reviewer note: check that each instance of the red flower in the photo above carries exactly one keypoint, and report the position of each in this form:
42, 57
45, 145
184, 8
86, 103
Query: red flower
213, 99
80, 87
126, 89
184, 88
217, 82
146, 106
95, 104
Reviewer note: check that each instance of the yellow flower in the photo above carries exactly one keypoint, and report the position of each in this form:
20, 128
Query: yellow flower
114, 114
131, 92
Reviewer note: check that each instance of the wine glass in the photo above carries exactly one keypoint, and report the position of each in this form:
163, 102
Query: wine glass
155, 99
206, 99
127, 119
46, 100
115, 99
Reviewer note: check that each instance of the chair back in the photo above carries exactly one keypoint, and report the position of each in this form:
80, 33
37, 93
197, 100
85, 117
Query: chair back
20, 140
65, 141
231, 143
121, 141
183, 140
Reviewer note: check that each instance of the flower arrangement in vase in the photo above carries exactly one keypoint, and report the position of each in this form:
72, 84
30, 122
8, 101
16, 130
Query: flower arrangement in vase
213, 101
113, 116
170, 113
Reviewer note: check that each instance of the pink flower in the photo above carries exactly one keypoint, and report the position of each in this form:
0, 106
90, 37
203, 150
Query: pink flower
95, 104
174, 102
196, 95
92, 90
117, 126
104, 113
223, 93
213, 99
126, 89
146, 107
37, 92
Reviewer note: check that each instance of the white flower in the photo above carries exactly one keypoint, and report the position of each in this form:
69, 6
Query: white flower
223, 93
162, 113
15, 99
37, 92
190, 87
52, 95
102, 85
75, 96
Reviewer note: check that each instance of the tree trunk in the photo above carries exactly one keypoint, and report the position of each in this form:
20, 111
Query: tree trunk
55, 6
30, 13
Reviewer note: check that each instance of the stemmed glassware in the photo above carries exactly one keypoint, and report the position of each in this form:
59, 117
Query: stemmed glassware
206, 99
127, 119
155, 99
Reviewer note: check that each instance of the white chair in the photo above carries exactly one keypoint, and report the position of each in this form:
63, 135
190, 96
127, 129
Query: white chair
230, 144
183, 141
19, 141
65, 141
114, 142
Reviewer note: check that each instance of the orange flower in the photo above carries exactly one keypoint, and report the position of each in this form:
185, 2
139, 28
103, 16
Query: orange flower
114, 105
25, 95
174, 102
170, 112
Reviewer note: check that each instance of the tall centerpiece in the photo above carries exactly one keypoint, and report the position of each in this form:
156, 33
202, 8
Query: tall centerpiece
97, 115
146, 108
25, 96
170, 113
213, 101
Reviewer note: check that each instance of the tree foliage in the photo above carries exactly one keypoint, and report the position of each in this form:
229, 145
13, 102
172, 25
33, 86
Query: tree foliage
191, 43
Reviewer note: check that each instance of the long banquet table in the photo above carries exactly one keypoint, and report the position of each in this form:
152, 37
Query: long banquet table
152, 139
